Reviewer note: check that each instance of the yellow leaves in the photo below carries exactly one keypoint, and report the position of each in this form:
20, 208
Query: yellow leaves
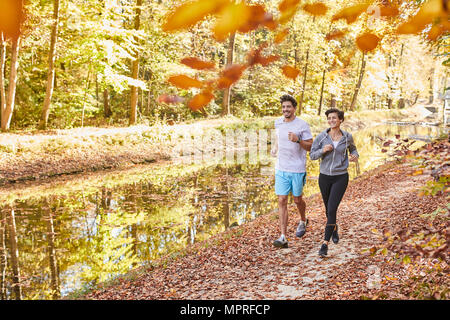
258, 16
185, 82
290, 72
367, 42
350, 14
233, 17
254, 57
196, 63
230, 75
417, 173
288, 9
389, 11
190, 13
429, 12
335, 35
11, 16
280, 36
316, 9
200, 100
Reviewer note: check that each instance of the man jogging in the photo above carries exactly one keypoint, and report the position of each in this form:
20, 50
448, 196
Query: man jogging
294, 139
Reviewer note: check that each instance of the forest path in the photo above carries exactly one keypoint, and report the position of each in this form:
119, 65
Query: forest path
242, 263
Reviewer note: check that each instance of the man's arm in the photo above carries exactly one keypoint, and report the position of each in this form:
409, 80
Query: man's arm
306, 144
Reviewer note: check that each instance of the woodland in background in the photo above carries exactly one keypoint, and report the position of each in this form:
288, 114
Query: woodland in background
107, 62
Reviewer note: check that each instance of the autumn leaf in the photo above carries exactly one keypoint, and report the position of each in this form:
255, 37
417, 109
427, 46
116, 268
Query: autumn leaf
367, 42
185, 82
435, 32
335, 35
280, 36
188, 14
288, 9
316, 9
389, 11
200, 100
11, 17
350, 14
230, 75
290, 72
254, 57
258, 16
165, 98
232, 18
427, 13
196, 63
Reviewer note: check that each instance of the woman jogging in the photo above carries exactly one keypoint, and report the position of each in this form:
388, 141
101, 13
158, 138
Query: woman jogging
332, 146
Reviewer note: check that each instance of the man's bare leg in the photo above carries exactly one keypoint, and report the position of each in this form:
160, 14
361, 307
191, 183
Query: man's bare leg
301, 206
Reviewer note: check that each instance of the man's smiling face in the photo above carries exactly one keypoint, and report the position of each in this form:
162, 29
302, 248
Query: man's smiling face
288, 109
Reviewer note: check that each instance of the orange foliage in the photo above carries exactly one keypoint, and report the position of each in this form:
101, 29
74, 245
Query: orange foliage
11, 17
367, 42
290, 72
350, 14
200, 100
185, 82
316, 9
196, 63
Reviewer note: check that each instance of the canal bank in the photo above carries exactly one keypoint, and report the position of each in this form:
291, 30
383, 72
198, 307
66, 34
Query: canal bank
43, 155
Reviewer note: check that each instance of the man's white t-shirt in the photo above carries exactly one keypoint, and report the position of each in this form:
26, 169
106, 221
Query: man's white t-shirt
291, 156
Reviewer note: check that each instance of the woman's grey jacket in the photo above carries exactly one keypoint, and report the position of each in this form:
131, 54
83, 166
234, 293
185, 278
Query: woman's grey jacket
334, 162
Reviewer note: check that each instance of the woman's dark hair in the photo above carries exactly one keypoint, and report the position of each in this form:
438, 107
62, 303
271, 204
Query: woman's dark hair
335, 110
288, 97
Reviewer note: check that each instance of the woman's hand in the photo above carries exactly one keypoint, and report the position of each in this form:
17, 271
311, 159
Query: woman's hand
327, 148
352, 157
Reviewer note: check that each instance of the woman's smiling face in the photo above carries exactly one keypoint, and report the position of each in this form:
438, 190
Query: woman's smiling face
333, 120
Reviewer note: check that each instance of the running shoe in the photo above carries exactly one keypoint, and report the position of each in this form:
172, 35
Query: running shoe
301, 229
335, 235
323, 250
280, 243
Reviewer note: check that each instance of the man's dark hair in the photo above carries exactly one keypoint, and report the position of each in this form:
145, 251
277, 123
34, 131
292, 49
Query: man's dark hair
335, 110
288, 97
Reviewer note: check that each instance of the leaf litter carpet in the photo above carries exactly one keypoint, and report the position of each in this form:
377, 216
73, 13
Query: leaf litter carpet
242, 263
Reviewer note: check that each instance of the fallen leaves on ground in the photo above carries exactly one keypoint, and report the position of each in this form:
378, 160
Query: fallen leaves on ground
241, 263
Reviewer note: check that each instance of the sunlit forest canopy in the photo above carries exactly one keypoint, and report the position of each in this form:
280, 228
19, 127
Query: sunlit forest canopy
75, 63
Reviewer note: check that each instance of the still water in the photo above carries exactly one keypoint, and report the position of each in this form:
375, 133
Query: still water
77, 234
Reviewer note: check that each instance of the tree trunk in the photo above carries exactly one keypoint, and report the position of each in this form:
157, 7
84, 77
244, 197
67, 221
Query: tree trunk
14, 255
227, 92
51, 68
333, 101
358, 84
106, 105
52, 256
3, 255
135, 69
321, 92
431, 92
2, 73
300, 103
9, 108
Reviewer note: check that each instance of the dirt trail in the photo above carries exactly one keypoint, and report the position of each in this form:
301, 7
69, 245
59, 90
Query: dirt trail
241, 263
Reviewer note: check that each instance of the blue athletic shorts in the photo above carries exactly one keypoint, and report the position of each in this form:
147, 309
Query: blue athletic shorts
286, 182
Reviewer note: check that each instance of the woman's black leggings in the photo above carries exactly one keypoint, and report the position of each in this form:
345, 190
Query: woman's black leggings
332, 189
